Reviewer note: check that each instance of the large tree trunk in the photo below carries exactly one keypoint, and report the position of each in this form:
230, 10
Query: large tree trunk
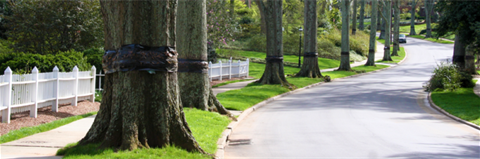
192, 48
361, 26
263, 26
141, 109
382, 25
354, 17
388, 28
373, 41
274, 73
345, 47
412, 18
396, 26
310, 57
470, 60
459, 52
428, 10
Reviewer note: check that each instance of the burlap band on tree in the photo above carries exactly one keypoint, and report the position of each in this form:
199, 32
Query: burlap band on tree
344, 53
469, 57
371, 51
135, 57
196, 66
310, 54
274, 59
457, 58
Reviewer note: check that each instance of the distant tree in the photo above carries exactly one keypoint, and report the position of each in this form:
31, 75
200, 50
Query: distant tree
396, 26
354, 17
428, 17
412, 18
310, 57
50, 26
373, 34
361, 26
345, 48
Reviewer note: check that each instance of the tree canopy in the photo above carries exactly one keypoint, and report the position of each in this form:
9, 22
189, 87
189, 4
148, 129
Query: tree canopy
461, 16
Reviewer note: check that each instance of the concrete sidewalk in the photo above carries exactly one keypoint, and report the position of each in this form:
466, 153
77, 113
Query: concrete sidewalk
46, 144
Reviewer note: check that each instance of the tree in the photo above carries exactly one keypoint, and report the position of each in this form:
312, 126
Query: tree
345, 54
48, 27
361, 26
459, 51
354, 17
141, 102
263, 25
396, 26
383, 21
310, 57
387, 16
273, 73
193, 77
412, 18
428, 11
373, 28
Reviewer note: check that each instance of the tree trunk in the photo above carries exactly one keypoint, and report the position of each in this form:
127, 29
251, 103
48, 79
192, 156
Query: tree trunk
396, 26
310, 60
459, 52
345, 47
263, 26
470, 60
379, 20
373, 41
192, 48
274, 73
382, 25
428, 10
140, 109
354, 17
361, 26
388, 27
412, 18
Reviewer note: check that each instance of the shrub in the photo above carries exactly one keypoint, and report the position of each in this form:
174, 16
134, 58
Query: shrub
291, 44
447, 77
94, 57
257, 43
327, 49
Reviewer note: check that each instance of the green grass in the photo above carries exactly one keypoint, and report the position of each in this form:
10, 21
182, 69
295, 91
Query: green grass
418, 28
206, 127
322, 62
396, 59
98, 96
27, 131
431, 39
242, 99
228, 82
462, 103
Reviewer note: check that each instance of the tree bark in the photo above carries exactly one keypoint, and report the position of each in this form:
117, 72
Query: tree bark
396, 26
193, 80
310, 58
428, 10
361, 26
412, 18
140, 109
470, 60
388, 27
263, 26
382, 25
354, 17
345, 46
373, 35
459, 52
274, 73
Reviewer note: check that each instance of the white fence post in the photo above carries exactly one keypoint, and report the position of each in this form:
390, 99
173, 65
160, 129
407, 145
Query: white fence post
221, 72
57, 89
8, 100
230, 68
75, 86
248, 67
239, 69
92, 83
210, 73
33, 109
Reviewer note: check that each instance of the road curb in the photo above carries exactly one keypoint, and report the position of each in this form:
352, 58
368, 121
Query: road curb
222, 141
434, 106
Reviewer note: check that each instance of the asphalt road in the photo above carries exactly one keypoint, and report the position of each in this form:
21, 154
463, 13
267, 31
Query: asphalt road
377, 115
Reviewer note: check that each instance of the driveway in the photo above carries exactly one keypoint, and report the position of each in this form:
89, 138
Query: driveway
377, 115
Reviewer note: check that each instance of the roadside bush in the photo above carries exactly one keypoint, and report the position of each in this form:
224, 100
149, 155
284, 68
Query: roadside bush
327, 49
257, 43
24, 62
94, 57
291, 44
447, 77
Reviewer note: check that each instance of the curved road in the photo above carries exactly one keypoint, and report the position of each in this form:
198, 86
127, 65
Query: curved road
378, 115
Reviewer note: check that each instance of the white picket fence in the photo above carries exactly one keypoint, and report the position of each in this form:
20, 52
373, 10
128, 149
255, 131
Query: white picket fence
228, 70
28, 92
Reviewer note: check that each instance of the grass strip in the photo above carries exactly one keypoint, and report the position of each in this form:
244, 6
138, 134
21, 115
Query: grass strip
242, 99
27, 131
462, 103
228, 82
206, 127
396, 59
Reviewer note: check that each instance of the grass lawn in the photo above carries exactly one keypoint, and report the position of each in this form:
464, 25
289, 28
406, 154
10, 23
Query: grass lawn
420, 27
206, 127
27, 131
246, 97
462, 103
322, 62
